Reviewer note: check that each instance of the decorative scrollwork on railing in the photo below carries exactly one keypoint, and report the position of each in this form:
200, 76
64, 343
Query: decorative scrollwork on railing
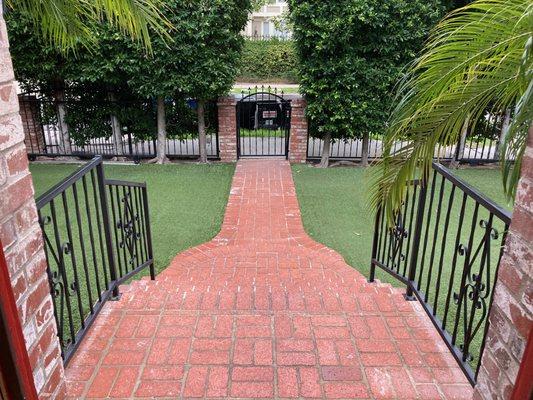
58, 279
128, 225
474, 293
397, 234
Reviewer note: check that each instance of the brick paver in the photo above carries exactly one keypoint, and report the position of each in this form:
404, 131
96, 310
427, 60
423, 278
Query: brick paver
263, 311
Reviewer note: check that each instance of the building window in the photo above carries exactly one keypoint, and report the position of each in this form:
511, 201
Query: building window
266, 28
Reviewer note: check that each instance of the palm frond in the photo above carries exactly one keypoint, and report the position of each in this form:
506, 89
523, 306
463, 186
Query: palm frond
473, 61
67, 23
517, 136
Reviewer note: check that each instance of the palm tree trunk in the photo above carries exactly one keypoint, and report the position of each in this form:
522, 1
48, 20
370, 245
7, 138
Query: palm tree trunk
324, 160
202, 140
116, 128
65, 145
364, 155
161, 157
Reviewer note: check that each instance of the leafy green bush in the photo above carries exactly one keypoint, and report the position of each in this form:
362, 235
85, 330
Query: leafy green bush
268, 60
351, 54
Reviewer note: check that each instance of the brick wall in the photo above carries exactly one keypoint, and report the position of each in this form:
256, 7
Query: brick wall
33, 133
299, 131
511, 315
227, 128
21, 238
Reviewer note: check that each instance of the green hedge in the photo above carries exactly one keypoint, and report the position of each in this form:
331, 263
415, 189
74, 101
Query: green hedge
270, 61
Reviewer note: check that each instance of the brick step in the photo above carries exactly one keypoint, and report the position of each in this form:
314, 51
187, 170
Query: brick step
185, 296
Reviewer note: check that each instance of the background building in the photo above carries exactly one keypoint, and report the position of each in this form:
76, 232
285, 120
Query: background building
268, 21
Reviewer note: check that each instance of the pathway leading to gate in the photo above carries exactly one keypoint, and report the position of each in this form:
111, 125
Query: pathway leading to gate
263, 311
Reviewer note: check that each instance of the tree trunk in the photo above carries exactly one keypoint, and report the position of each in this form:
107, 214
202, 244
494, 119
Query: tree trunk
324, 160
202, 140
460, 152
364, 155
116, 128
161, 157
503, 134
65, 145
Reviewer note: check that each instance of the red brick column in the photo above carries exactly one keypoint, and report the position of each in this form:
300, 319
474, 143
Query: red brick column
511, 315
299, 131
21, 237
33, 133
227, 128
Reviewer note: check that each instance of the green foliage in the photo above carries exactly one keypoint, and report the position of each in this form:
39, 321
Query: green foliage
88, 117
201, 60
351, 54
478, 58
37, 64
268, 61
191, 65
67, 24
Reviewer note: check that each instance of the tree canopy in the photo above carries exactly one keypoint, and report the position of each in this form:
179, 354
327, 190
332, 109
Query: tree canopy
197, 58
351, 54
202, 57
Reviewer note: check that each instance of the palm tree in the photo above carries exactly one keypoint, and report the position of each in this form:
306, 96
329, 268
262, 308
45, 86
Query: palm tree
67, 23
477, 58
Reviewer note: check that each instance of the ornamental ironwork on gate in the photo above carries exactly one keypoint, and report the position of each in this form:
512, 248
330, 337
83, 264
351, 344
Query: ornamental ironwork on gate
445, 245
263, 124
96, 236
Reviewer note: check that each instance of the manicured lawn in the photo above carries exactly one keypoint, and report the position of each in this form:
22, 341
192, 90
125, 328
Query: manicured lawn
335, 212
262, 133
187, 201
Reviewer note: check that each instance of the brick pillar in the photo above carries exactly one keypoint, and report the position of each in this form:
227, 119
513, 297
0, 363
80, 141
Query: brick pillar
511, 315
21, 237
299, 131
33, 133
227, 128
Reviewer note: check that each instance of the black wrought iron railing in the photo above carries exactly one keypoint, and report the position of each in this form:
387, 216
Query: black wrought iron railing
445, 245
481, 145
132, 237
92, 245
103, 133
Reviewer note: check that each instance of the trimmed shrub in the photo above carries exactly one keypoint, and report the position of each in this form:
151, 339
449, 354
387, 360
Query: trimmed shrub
351, 54
268, 61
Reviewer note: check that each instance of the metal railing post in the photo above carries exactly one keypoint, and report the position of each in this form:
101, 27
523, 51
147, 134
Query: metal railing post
416, 238
107, 231
148, 232
375, 246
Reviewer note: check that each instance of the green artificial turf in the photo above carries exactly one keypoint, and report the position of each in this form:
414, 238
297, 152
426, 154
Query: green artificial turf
187, 201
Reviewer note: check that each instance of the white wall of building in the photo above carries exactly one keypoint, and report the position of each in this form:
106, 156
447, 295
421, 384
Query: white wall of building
262, 22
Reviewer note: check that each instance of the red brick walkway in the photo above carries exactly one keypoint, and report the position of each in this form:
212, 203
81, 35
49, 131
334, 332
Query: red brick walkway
263, 311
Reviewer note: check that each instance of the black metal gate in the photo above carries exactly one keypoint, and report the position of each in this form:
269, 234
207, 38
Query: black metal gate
263, 124
96, 236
